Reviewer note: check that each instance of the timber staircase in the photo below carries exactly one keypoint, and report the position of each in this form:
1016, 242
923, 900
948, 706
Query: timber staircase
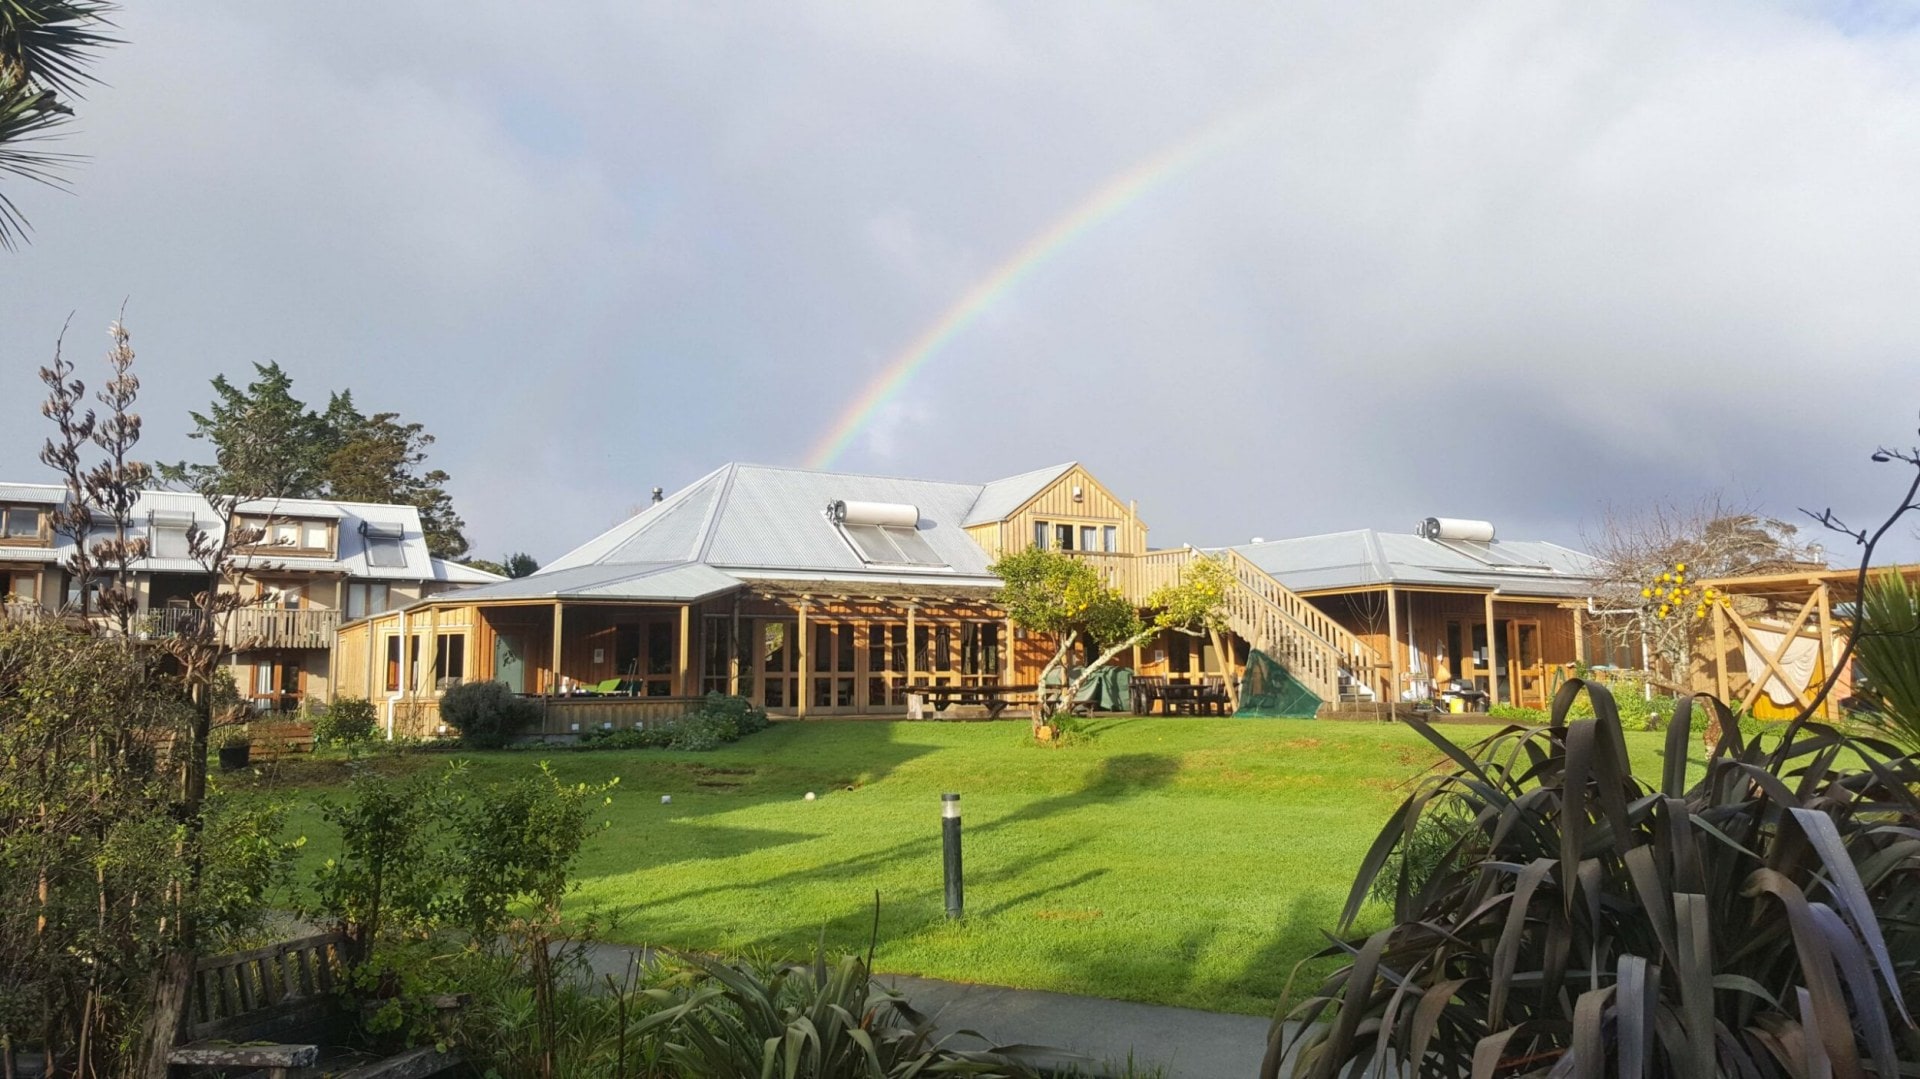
1263, 612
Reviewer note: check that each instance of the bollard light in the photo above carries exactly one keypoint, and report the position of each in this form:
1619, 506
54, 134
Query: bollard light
950, 854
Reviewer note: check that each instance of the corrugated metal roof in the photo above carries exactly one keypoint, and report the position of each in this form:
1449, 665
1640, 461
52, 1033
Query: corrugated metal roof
668, 582
774, 518
646, 536
350, 552
760, 517
1366, 557
45, 494
456, 573
999, 499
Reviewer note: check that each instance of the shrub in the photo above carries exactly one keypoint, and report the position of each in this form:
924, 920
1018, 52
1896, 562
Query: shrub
1514, 713
720, 719
1610, 924
824, 1019
487, 714
344, 722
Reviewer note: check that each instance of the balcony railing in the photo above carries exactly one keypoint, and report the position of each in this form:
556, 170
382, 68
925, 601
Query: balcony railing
23, 612
250, 627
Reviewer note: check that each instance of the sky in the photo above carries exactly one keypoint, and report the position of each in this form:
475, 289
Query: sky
1518, 261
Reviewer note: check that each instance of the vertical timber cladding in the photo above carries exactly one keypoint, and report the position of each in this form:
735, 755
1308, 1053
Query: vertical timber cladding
859, 655
1096, 507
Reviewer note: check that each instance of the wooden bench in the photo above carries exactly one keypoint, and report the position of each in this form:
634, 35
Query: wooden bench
271, 1009
282, 991
273, 739
995, 699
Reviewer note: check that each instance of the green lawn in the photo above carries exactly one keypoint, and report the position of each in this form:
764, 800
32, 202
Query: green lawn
1183, 861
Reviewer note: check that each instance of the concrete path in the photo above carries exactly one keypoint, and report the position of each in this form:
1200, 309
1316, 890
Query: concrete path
1184, 1043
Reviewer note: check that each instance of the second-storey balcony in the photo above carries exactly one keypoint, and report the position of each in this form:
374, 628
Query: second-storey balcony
251, 627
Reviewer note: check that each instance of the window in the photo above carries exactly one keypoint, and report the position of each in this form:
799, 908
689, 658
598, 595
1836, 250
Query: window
167, 533
1109, 539
1040, 533
313, 536
283, 534
980, 649
1087, 538
287, 597
277, 686
365, 598
449, 660
19, 586
393, 664
20, 522
384, 549
1063, 537
892, 544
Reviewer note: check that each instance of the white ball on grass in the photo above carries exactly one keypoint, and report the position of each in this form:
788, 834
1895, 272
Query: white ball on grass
666, 799
809, 796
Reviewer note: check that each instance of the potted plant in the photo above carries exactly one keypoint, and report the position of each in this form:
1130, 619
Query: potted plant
235, 747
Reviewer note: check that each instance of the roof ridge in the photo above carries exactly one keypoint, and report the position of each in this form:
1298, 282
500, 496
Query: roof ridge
850, 475
710, 528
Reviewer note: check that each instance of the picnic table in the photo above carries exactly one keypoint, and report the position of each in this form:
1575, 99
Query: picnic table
1208, 695
994, 698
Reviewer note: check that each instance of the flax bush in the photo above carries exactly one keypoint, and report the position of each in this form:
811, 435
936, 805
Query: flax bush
1761, 920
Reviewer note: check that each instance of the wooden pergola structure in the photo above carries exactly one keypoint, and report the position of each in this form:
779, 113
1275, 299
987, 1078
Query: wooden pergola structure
1794, 606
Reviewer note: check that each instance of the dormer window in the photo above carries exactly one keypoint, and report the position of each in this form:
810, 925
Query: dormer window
307, 537
23, 525
167, 533
884, 533
384, 550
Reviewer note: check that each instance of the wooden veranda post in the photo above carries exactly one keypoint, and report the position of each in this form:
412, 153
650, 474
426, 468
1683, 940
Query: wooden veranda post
1830, 708
806, 668
1394, 666
913, 657
733, 650
553, 667
681, 681
1720, 647
1493, 655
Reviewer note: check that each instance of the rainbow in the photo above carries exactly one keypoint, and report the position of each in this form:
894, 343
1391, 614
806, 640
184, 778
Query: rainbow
1106, 201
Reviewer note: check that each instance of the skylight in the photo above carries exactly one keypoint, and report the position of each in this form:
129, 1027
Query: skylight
384, 549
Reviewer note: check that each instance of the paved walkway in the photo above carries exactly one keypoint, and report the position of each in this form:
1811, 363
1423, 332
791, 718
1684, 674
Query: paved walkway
1187, 1044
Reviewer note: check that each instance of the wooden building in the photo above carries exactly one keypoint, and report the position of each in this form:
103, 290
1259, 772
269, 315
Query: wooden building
1448, 606
810, 593
1773, 638
322, 561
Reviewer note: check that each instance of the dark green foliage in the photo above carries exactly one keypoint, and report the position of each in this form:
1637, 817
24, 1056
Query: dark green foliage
91, 830
269, 444
45, 47
1434, 847
487, 714
1888, 648
1757, 921
819, 1019
720, 720
347, 721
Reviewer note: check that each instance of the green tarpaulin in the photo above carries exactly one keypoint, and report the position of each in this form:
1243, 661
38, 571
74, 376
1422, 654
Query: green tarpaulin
1110, 689
1267, 691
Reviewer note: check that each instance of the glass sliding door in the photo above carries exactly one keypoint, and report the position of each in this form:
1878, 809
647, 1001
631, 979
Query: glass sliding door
832, 679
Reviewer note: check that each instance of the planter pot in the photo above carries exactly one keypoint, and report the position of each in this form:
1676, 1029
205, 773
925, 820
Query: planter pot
234, 758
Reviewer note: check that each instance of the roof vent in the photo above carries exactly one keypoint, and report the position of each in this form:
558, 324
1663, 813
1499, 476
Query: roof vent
1455, 528
1259, 539
658, 494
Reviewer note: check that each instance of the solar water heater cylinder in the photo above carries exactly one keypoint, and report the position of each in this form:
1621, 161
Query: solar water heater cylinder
892, 514
1457, 528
